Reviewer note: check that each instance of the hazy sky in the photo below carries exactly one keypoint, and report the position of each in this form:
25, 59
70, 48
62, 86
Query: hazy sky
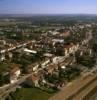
48, 6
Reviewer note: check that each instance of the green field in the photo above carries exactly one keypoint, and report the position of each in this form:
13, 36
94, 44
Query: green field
31, 94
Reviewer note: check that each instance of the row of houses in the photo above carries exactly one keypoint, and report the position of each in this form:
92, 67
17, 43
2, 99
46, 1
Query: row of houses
72, 48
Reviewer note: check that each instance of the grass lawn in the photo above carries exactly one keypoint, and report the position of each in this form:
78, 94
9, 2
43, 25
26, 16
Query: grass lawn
31, 94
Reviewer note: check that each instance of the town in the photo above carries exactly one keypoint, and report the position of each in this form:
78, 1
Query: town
46, 56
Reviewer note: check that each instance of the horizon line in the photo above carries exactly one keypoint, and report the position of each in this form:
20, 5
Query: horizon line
48, 13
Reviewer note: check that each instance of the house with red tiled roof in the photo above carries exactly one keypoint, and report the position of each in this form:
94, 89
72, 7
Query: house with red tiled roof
14, 72
33, 80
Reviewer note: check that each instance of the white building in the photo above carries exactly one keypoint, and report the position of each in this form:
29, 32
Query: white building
30, 51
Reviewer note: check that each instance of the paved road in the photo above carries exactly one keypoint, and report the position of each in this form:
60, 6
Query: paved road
15, 47
74, 87
94, 96
86, 90
7, 89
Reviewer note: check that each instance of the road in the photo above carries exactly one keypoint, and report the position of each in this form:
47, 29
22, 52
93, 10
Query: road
75, 87
8, 88
15, 47
94, 95
82, 94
